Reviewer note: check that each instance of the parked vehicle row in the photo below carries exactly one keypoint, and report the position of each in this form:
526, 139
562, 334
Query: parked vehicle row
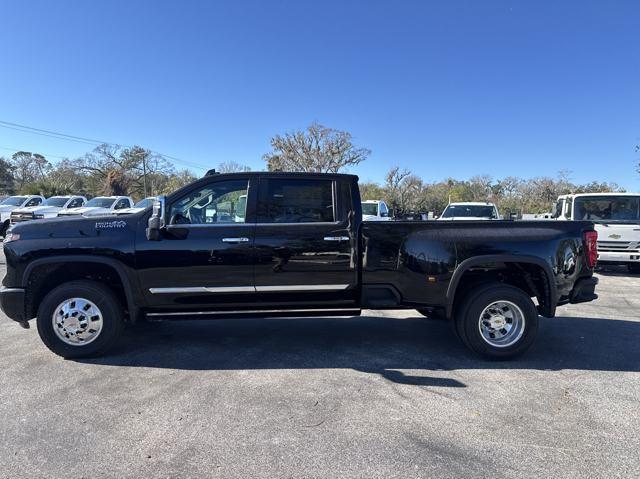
100, 205
377, 210
21, 208
49, 208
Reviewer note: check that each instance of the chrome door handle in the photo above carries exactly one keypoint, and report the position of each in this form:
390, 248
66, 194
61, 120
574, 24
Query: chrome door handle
336, 238
235, 240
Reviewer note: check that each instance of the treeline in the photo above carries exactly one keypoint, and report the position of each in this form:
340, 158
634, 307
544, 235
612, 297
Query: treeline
139, 172
107, 170
405, 192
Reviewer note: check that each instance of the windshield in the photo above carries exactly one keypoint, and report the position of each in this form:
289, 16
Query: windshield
55, 201
100, 202
14, 200
144, 203
470, 211
614, 209
370, 209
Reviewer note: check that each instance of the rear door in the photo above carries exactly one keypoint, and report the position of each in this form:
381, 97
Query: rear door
304, 242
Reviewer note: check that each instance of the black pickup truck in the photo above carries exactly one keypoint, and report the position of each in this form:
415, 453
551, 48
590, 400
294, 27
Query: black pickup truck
289, 244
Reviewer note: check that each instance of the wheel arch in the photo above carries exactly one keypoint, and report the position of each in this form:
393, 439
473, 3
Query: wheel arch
115, 265
548, 296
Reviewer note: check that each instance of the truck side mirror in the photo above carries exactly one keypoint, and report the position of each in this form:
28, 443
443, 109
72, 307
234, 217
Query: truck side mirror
156, 220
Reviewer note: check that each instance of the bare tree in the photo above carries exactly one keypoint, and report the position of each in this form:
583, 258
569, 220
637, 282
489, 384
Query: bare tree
317, 149
6, 177
232, 167
405, 191
116, 170
28, 168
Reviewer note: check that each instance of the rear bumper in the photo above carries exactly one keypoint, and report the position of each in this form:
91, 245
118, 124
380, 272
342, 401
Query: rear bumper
12, 303
584, 290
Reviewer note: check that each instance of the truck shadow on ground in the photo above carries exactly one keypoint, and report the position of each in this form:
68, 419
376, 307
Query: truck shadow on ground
375, 344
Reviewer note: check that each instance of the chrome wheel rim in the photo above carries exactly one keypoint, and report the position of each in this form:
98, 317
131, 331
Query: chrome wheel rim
77, 321
501, 324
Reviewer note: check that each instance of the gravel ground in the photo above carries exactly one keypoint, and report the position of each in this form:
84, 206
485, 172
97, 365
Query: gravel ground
383, 395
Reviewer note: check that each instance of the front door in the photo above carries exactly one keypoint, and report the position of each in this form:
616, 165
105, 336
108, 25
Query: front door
205, 257
304, 243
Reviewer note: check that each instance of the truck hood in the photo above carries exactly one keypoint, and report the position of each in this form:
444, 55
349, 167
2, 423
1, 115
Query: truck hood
89, 211
76, 226
38, 209
614, 232
7, 208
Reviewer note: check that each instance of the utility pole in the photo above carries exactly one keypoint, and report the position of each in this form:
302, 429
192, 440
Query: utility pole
144, 173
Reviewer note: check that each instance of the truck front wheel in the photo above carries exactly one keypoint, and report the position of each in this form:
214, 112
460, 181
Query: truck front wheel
497, 321
80, 319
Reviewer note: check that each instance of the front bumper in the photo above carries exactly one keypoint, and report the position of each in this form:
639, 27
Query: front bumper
584, 290
12, 303
619, 257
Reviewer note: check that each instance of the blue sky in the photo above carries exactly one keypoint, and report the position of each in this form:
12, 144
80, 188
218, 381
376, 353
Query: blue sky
451, 88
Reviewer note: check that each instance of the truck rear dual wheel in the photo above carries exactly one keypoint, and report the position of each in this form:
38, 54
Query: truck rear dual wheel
497, 321
80, 319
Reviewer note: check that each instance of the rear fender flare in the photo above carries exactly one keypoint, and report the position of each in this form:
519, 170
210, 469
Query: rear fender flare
468, 263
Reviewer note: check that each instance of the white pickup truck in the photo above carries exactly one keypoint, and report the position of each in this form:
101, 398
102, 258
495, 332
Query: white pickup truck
617, 220
13, 203
100, 206
470, 211
375, 210
49, 209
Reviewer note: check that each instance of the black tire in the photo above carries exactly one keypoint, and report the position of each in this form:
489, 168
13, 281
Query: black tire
3, 228
431, 314
468, 321
102, 297
634, 268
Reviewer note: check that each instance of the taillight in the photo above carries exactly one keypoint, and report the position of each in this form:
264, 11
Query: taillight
591, 242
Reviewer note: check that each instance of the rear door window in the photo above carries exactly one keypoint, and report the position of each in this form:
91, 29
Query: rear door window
296, 201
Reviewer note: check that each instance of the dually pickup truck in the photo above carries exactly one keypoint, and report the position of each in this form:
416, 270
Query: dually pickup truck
289, 244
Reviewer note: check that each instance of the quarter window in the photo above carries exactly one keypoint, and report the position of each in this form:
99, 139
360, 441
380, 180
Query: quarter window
215, 203
297, 201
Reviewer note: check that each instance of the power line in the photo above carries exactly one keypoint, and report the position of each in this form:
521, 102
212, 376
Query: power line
47, 155
84, 140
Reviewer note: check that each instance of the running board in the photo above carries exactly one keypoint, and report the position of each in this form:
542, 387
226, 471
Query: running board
274, 313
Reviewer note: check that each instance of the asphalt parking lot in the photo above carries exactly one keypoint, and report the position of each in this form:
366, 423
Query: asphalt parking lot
383, 395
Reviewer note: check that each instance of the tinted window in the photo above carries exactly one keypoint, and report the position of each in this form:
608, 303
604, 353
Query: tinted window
13, 200
76, 203
370, 209
219, 202
144, 203
296, 201
608, 208
121, 204
469, 211
34, 202
384, 211
56, 201
100, 202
